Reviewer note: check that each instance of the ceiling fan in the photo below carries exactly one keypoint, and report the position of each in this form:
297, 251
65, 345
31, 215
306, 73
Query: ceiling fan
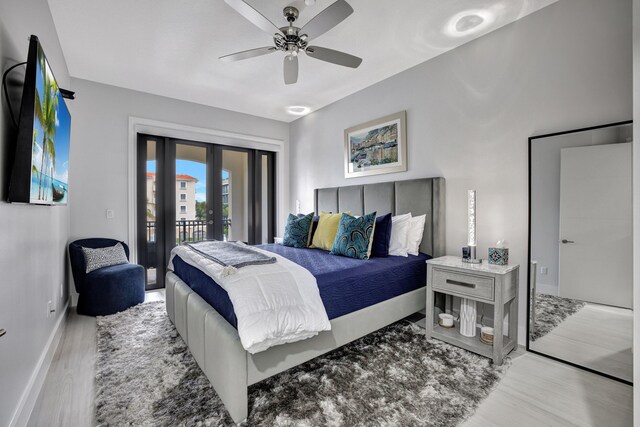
293, 40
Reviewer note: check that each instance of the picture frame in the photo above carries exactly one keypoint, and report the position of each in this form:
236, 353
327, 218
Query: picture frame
376, 147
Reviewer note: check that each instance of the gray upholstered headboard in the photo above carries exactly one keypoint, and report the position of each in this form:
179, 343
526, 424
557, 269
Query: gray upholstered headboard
418, 196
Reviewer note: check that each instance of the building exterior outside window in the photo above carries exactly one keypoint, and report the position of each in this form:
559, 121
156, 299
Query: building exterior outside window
186, 208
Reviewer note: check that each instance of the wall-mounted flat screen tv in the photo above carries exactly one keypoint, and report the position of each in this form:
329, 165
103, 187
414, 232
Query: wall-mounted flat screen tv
41, 167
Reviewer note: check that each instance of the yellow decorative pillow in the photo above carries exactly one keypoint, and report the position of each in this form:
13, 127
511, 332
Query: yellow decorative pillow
326, 232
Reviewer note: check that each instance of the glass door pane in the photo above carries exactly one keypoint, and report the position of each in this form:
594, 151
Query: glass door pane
151, 263
265, 202
235, 203
264, 198
191, 214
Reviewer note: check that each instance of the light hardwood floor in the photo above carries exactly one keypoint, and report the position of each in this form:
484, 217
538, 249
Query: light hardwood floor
597, 336
535, 391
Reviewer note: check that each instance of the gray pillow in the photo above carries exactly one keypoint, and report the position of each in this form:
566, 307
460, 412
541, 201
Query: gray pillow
104, 257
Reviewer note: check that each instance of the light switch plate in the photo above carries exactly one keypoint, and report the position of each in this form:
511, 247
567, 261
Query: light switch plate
110, 214
544, 270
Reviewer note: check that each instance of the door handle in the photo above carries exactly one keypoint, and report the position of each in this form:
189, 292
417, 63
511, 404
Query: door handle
565, 241
2, 332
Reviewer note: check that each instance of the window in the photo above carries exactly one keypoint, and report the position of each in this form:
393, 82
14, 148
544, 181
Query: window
225, 199
183, 197
183, 184
183, 209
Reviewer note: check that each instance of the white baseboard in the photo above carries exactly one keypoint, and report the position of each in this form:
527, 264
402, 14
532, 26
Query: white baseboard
542, 288
31, 392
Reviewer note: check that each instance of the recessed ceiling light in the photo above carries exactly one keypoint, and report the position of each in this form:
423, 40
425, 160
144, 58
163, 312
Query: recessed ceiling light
469, 22
298, 110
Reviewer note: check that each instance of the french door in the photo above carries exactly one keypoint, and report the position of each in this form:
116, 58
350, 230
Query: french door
191, 191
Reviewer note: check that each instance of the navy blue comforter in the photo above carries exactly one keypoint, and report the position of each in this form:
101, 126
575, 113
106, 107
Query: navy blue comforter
346, 284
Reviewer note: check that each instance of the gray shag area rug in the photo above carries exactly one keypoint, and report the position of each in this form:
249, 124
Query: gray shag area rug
551, 311
147, 376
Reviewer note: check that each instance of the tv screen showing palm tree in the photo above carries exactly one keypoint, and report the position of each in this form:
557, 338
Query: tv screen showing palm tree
40, 171
50, 148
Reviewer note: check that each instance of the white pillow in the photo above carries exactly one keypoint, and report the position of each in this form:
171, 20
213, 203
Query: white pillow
399, 233
416, 230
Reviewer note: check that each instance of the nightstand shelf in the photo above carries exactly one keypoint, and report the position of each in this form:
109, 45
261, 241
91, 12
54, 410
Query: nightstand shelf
474, 345
485, 283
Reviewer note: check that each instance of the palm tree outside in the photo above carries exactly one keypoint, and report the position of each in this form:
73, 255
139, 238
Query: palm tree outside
46, 107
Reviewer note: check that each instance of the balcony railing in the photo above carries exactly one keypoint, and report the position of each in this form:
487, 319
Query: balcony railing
187, 230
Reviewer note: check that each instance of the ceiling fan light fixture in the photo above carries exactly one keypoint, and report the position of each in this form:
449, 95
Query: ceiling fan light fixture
298, 110
291, 39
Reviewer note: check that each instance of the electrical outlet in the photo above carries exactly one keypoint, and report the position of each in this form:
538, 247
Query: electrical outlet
544, 271
110, 214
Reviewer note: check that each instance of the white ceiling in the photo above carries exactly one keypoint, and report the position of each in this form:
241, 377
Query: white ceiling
171, 47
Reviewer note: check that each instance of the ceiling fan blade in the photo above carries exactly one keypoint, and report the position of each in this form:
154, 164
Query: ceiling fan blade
327, 19
253, 16
290, 69
246, 54
334, 56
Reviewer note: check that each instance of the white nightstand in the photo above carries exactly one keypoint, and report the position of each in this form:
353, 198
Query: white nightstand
486, 283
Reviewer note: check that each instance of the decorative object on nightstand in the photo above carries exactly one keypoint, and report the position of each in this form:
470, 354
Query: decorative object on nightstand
469, 251
499, 255
486, 335
278, 240
446, 320
468, 314
486, 283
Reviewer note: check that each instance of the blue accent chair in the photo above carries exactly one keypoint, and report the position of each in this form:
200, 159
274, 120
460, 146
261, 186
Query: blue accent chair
107, 290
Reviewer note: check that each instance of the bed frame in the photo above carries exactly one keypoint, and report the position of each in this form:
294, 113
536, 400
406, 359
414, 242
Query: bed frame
215, 344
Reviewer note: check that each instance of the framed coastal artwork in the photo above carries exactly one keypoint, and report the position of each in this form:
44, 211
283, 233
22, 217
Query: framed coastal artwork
376, 147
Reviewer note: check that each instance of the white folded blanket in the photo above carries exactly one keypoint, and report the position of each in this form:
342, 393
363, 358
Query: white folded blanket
274, 303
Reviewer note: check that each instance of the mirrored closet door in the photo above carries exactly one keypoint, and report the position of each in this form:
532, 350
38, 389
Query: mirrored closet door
580, 248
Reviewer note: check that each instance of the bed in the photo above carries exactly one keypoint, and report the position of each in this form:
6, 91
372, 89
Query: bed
359, 296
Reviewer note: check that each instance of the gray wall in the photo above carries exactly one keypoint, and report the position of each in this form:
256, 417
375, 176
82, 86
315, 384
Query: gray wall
636, 213
32, 254
545, 196
471, 110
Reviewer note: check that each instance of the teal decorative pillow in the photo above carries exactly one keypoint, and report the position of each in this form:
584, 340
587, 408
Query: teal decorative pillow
355, 236
298, 231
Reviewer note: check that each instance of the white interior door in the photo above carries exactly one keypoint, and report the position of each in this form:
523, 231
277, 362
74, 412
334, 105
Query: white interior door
595, 224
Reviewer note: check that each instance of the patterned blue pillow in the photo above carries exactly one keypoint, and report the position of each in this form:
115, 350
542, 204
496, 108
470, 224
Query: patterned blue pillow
297, 232
354, 236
